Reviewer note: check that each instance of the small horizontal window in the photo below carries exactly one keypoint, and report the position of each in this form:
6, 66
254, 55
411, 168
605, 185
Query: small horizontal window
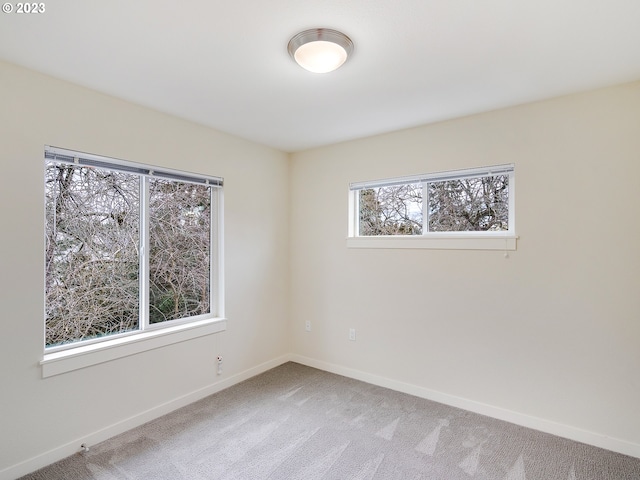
464, 204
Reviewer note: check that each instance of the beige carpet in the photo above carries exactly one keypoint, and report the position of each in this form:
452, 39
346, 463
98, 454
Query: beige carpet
296, 422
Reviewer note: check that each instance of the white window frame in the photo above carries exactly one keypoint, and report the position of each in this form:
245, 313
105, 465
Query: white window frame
477, 240
72, 356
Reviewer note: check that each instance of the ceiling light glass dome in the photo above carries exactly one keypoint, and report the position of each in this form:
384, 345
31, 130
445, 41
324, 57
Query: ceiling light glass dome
320, 50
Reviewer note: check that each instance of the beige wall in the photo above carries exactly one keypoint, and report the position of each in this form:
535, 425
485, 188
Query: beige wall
551, 333
38, 415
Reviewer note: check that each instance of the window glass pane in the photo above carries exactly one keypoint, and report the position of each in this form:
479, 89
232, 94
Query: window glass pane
475, 204
179, 244
92, 239
392, 210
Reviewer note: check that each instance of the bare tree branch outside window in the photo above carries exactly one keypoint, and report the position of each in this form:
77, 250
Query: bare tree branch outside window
393, 210
92, 238
464, 205
180, 226
469, 205
92, 252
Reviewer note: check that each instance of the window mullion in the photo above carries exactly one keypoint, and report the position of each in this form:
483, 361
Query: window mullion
144, 253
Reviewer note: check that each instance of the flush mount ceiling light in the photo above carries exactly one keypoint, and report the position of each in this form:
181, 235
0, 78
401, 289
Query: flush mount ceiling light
320, 50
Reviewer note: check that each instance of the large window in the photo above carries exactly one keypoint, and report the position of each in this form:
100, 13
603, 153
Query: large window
477, 203
129, 248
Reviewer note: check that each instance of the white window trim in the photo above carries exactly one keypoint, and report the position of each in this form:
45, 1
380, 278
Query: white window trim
436, 242
93, 354
68, 357
506, 240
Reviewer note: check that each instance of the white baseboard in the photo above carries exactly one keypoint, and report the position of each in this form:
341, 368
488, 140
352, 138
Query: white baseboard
94, 438
561, 430
540, 424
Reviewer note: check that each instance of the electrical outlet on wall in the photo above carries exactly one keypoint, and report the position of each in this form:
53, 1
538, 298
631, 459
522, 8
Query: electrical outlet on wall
307, 325
219, 359
352, 334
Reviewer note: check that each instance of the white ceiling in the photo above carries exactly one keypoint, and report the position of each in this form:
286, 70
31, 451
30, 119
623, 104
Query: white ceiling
225, 63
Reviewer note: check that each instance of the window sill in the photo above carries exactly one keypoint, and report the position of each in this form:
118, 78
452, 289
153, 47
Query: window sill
88, 355
437, 242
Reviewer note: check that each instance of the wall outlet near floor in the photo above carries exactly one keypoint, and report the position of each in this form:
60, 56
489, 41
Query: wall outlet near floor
307, 325
352, 334
219, 360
